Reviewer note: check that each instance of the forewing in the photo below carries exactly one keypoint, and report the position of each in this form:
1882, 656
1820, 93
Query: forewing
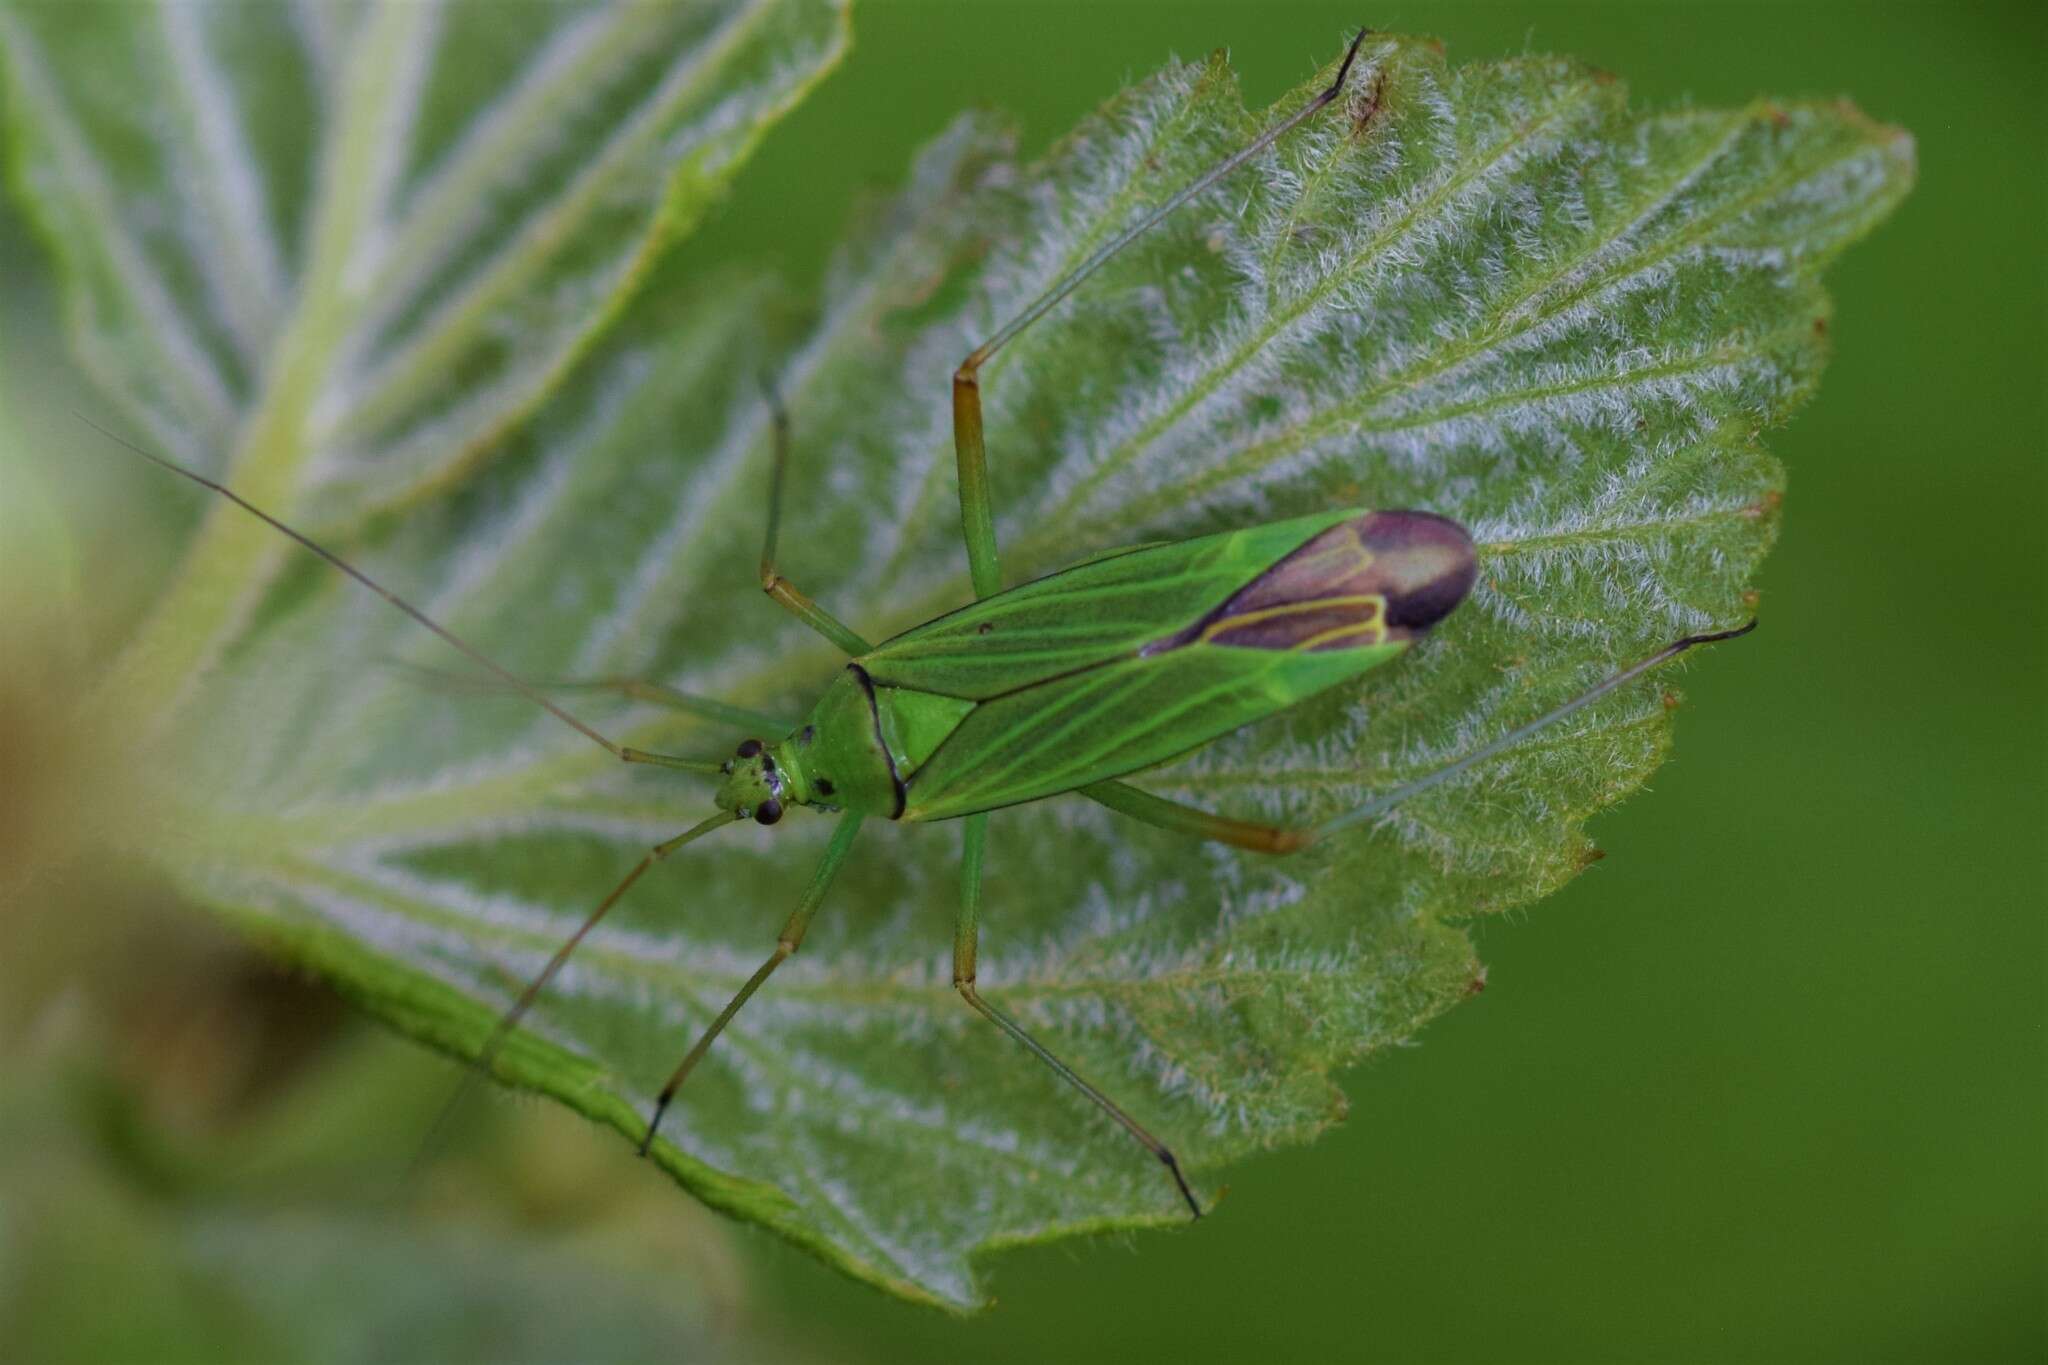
1085, 617
1117, 718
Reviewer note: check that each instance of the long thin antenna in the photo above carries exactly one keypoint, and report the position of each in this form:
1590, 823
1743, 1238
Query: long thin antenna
476, 655
1387, 800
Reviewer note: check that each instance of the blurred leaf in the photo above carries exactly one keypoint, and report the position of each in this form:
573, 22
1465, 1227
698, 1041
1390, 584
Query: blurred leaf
104, 1258
1490, 291
38, 562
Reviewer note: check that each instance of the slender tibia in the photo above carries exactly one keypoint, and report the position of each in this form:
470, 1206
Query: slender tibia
1125, 799
977, 517
787, 943
475, 655
811, 614
966, 939
772, 582
488, 1053
1386, 801
736, 718
1261, 838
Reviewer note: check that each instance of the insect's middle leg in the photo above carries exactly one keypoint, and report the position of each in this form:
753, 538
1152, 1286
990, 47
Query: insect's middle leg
966, 938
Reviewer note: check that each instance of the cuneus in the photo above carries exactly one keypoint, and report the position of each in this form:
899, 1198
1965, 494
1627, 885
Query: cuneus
1008, 700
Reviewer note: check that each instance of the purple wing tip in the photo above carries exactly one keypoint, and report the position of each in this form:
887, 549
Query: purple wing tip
1426, 565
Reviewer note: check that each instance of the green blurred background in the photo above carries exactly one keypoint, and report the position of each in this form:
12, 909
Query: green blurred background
1767, 1083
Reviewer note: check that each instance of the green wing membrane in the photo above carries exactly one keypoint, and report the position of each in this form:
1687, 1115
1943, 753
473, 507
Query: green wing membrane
1108, 667
1083, 617
1116, 718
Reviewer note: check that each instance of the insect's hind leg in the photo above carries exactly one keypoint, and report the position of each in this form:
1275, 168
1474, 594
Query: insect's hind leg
1261, 838
977, 515
772, 582
1125, 799
966, 938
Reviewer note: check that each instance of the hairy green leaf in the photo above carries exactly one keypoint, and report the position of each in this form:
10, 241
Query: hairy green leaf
1490, 291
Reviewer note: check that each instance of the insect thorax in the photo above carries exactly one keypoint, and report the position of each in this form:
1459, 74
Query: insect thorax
861, 743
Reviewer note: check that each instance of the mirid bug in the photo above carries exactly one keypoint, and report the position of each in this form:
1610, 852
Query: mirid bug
1068, 683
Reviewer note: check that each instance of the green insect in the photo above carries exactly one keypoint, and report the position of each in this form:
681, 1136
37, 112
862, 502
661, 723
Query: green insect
1064, 684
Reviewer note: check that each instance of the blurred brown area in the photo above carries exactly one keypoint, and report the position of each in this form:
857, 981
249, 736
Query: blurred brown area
204, 1154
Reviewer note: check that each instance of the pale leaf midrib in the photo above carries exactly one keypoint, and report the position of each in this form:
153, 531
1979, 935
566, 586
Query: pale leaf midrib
453, 188
421, 361
530, 387
1607, 533
240, 256
233, 557
205, 392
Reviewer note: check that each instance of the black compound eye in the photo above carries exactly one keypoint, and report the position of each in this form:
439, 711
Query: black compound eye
768, 812
749, 747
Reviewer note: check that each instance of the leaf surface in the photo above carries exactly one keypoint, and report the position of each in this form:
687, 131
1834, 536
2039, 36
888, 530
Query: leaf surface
341, 249
1491, 291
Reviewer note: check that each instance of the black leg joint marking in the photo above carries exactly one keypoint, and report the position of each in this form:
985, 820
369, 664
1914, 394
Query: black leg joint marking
653, 1125
1714, 636
1350, 54
1166, 1159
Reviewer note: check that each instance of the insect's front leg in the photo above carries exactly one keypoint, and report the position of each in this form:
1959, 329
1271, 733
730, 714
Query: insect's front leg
786, 944
977, 512
966, 938
772, 582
